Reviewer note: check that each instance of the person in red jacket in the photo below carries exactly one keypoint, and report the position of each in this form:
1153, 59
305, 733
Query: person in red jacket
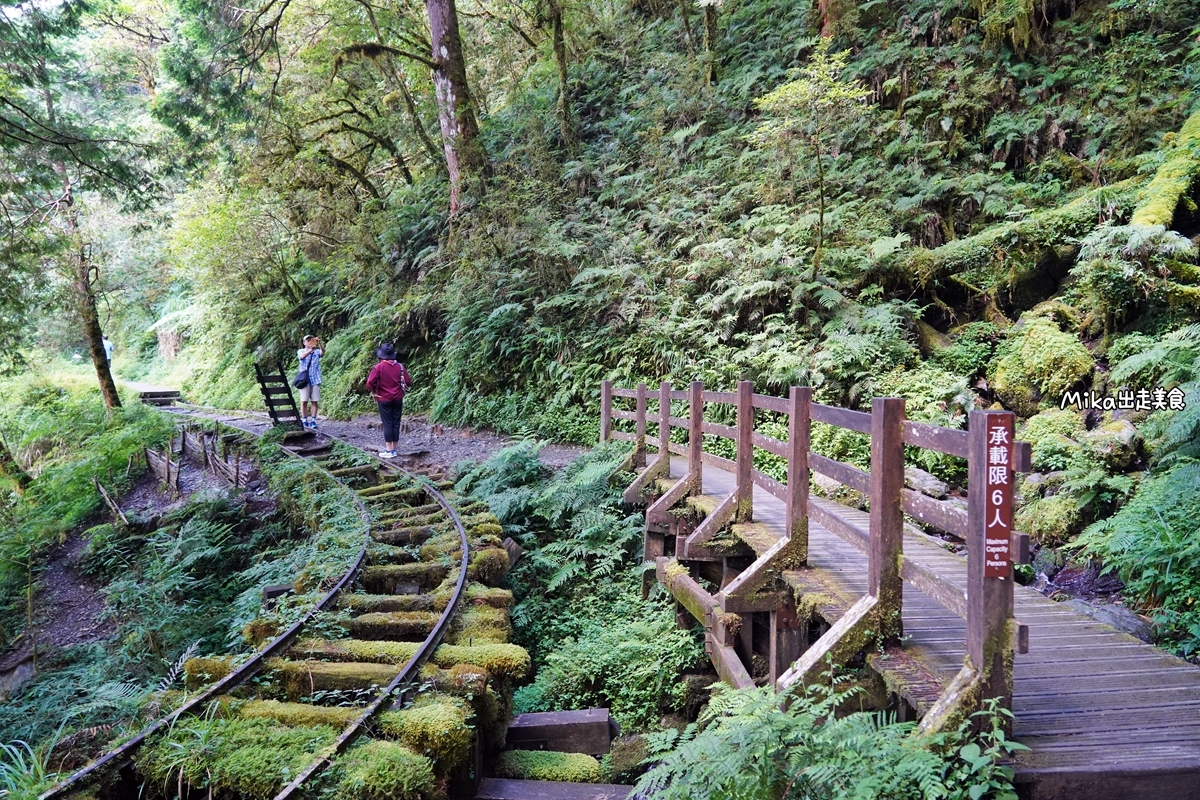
388, 383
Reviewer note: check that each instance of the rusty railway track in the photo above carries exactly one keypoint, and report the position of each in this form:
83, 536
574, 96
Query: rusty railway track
390, 496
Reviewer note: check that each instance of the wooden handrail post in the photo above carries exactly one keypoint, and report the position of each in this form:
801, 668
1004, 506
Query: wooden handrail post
664, 423
989, 569
745, 451
605, 411
887, 514
799, 436
696, 435
639, 446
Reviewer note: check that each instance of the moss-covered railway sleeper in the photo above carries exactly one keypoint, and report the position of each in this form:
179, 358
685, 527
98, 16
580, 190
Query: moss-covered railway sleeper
369, 661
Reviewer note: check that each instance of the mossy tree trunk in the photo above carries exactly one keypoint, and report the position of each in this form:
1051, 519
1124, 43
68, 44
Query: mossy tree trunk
710, 41
460, 131
566, 122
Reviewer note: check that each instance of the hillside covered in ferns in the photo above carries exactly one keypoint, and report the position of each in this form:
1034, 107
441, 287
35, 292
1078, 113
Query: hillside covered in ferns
966, 204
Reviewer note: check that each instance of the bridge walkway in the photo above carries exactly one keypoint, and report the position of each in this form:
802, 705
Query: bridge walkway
1103, 713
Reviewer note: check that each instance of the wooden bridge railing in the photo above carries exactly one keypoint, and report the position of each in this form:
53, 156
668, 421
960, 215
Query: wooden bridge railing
993, 458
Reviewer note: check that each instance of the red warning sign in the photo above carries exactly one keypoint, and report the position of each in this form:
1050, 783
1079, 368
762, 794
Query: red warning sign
998, 521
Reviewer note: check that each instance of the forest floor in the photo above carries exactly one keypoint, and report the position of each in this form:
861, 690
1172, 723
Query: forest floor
68, 609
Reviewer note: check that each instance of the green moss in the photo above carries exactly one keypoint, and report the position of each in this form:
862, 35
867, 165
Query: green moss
545, 765
489, 566
389, 554
376, 652
1051, 521
203, 671
1046, 432
386, 579
436, 727
413, 534
1038, 361
296, 714
249, 758
485, 529
1158, 201
1011, 252
482, 625
500, 660
380, 770
260, 630
367, 603
302, 678
487, 595
393, 624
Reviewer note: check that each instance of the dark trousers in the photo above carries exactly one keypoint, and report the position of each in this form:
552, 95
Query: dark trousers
390, 412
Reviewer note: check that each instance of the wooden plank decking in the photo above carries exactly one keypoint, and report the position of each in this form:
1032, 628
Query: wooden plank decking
1105, 715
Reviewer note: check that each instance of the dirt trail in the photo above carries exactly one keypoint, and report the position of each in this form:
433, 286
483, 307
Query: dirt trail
421, 445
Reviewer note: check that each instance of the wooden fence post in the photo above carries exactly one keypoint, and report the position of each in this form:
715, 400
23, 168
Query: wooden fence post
639, 446
989, 569
745, 451
696, 435
799, 430
605, 411
887, 514
664, 423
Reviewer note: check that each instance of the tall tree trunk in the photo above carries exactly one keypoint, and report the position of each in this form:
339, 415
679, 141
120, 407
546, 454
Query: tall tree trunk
710, 40
460, 131
85, 295
566, 123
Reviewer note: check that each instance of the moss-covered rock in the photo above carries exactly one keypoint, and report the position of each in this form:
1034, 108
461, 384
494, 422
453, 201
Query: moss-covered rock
624, 762
1051, 521
378, 769
1115, 444
437, 727
1038, 361
546, 765
1052, 435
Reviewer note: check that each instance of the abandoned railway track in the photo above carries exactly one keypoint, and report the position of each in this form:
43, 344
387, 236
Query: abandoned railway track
400, 672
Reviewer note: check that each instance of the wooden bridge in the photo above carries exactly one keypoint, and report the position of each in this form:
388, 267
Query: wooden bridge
801, 581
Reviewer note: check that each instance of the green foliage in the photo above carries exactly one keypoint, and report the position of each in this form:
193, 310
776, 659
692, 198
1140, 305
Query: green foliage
1052, 435
970, 351
24, 773
579, 611
379, 770
744, 746
1151, 544
253, 758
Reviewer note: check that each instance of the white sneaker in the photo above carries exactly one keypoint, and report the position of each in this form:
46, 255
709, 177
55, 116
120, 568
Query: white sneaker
387, 454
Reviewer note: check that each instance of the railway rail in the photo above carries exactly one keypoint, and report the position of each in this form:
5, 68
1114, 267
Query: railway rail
401, 605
